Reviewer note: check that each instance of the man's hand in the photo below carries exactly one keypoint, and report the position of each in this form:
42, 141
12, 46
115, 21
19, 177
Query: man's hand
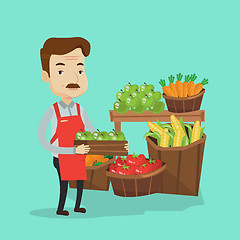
82, 149
126, 146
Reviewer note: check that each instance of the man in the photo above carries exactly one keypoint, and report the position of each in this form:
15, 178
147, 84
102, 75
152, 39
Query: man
63, 64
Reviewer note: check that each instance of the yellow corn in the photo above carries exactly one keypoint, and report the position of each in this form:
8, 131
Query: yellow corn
164, 139
176, 124
196, 131
177, 140
154, 127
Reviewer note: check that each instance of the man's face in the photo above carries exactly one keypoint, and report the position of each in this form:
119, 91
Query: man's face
67, 74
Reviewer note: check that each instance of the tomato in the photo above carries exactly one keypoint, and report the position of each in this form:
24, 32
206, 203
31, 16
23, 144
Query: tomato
158, 164
113, 168
155, 163
120, 161
126, 170
135, 160
141, 156
145, 168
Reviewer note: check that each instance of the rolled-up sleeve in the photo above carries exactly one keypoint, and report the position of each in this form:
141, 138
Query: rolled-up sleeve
42, 136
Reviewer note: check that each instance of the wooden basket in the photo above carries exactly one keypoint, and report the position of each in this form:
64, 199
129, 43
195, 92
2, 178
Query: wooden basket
184, 166
137, 185
115, 148
96, 177
184, 104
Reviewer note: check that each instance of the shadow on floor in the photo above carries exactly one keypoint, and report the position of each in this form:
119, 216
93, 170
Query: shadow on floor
106, 204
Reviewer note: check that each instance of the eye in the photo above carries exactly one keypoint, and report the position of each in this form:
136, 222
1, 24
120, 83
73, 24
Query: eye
80, 72
60, 72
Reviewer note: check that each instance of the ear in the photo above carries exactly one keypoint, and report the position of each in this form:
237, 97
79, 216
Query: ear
45, 76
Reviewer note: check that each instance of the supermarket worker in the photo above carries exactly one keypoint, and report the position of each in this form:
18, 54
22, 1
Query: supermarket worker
63, 67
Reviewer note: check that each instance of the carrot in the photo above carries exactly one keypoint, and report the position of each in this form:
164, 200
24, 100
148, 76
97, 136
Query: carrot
191, 85
199, 86
172, 86
185, 86
167, 90
179, 85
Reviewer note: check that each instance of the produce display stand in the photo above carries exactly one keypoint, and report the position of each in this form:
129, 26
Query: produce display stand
148, 116
184, 164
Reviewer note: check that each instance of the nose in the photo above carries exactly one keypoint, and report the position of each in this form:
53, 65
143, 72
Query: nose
76, 78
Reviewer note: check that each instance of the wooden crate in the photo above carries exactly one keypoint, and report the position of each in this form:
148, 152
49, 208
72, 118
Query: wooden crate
115, 148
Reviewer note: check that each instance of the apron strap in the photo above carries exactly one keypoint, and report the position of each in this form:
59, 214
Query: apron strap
56, 108
78, 109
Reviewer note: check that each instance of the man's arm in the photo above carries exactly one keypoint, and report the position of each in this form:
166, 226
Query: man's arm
42, 136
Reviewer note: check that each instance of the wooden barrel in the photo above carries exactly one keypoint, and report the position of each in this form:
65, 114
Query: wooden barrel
184, 104
137, 185
184, 166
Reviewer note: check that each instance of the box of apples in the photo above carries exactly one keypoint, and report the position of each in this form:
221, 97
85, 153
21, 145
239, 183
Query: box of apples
138, 99
136, 175
103, 142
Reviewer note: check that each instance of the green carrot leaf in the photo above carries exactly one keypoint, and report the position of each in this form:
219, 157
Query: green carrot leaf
162, 82
204, 81
171, 78
179, 77
187, 78
193, 77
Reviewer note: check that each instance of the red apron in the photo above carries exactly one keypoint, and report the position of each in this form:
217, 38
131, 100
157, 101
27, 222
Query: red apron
72, 166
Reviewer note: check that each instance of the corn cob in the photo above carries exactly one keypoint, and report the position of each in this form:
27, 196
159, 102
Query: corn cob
176, 125
154, 127
196, 131
164, 139
177, 141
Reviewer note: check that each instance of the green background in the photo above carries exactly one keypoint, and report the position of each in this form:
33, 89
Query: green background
133, 41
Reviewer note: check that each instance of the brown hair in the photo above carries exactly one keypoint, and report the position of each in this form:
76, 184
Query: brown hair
62, 46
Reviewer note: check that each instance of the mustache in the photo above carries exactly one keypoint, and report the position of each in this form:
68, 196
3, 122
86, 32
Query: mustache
72, 85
